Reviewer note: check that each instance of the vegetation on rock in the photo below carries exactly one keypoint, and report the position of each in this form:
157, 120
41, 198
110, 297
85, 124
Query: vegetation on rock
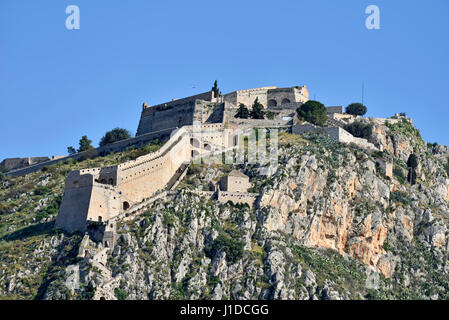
356, 109
114, 135
313, 112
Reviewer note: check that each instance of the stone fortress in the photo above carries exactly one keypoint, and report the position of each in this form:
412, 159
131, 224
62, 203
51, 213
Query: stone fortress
193, 127
97, 195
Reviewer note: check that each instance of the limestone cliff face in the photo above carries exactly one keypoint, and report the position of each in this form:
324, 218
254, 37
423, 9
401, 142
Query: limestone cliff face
327, 224
323, 208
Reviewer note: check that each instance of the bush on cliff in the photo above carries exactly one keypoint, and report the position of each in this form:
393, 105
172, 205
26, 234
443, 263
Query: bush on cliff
232, 247
114, 135
446, 167
313, 112
360, 130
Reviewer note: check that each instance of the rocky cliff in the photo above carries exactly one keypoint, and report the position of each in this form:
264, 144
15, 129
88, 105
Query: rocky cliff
328, 224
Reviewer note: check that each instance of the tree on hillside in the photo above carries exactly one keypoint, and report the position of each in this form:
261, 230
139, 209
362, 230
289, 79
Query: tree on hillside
71, 150
257, 110
412, 164
313, 112
360, 130
356, 109
242, 112
412, 161
114, 135
85, 144
3, 170
215, 88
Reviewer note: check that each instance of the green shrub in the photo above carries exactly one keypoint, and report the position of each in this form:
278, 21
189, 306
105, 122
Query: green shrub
120, 294
42, 190
356, 109
313, 112
114, 135
401, 197
232, 247
446, 167
399, 174
360, 130
270, 115
51, 209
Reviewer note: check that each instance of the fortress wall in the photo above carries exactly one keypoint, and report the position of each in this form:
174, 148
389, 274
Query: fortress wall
141, 181
213, 137
247, 97
336, 133
280, 94
231, 98
294, 95
258, 123
211, 112
17, 163
113, 147
237, 197
301, 94
74, 207
208, 96
303, 128
343, 136
105, 202
108, 175
332, 110
160, 118
176, 135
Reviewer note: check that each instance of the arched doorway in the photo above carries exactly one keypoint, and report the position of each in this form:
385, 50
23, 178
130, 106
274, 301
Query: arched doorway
195, 142
272, 103
207, 147
285, 101
125, 205
100, 219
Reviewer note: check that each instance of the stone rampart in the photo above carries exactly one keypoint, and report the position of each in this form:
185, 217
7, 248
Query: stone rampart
237, 197
118, 146
336, 133
17, 163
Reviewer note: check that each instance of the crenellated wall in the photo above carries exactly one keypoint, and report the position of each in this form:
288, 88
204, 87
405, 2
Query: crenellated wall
100, 194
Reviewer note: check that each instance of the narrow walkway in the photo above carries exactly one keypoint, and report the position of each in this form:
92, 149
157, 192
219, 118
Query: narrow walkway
176, 177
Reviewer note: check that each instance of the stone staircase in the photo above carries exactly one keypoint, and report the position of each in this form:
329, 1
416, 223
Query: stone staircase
335, 123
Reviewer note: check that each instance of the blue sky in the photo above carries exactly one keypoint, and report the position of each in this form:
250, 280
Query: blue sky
57, 84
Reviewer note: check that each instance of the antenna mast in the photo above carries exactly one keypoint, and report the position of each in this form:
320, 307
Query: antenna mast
363, 92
